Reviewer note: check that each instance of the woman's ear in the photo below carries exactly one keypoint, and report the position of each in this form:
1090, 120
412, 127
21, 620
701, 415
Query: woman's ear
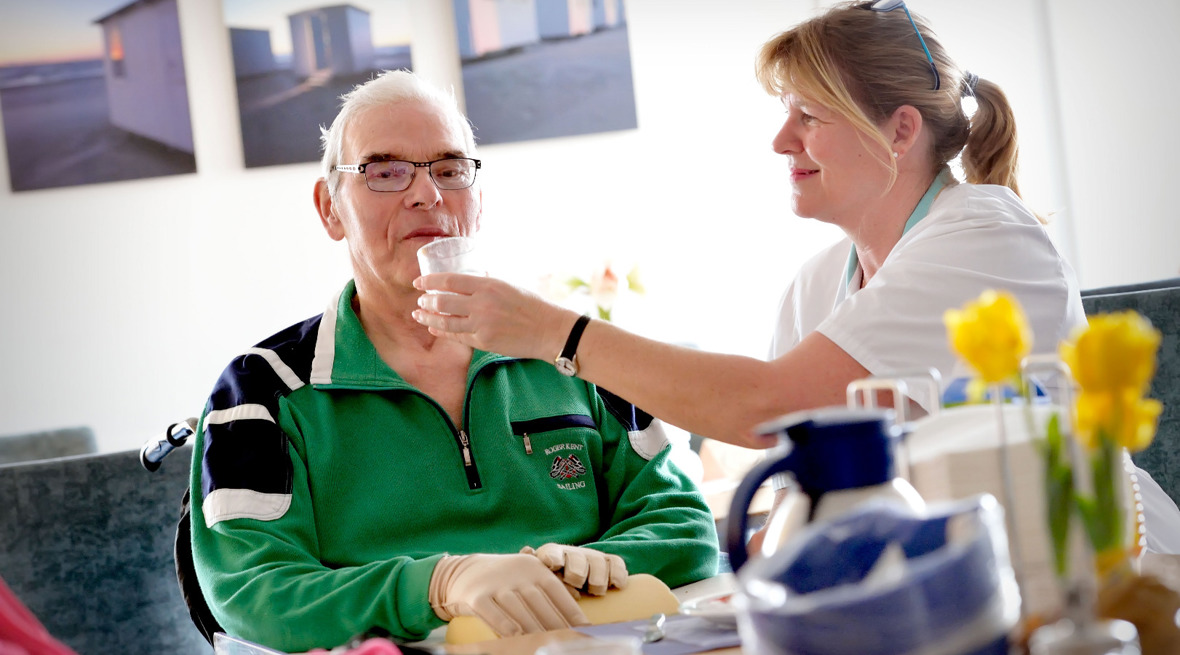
906, 126
324, 204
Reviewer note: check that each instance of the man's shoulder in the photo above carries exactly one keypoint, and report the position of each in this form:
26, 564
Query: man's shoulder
275, 366
296, 342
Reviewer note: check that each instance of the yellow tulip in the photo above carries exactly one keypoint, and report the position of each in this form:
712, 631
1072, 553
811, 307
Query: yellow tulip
1092, 411
1127, 418
1116, 352
991, 334
1113, 361
1142, 420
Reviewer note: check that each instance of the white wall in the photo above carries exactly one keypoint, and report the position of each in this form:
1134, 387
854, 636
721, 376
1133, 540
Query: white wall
122, 302
1119, 98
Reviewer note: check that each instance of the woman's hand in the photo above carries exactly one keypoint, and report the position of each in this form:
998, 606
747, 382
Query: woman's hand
492, 315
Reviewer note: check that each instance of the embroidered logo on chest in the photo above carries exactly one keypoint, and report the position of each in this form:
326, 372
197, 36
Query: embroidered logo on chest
567, 468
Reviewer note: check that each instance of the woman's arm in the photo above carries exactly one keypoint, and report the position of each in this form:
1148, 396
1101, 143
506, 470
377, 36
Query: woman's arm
715, 395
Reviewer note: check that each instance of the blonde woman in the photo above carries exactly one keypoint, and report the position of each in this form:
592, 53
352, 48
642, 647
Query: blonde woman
874, 115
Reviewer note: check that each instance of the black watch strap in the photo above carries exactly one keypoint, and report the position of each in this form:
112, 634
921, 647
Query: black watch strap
567, 361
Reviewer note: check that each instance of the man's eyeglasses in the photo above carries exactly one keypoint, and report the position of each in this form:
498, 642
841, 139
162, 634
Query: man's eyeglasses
890, 5
450, 174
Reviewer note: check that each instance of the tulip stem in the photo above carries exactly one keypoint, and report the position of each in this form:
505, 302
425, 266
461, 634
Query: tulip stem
997, 393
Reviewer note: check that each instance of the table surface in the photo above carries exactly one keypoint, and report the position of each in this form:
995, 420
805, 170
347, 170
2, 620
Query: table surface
528, 644
1165, 567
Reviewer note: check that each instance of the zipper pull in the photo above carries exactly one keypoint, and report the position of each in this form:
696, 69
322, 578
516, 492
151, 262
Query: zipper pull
528, 445
466, 451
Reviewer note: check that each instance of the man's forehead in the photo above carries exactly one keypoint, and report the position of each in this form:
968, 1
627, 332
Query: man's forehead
405, 129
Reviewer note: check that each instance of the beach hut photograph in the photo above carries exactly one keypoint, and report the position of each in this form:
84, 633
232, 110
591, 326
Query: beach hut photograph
92, 92
294, 59
537, 69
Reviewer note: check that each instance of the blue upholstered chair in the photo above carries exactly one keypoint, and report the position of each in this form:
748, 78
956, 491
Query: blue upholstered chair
87, 545
45, 445
1159, 302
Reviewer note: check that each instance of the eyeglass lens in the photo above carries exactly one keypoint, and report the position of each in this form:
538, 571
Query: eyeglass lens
397, 175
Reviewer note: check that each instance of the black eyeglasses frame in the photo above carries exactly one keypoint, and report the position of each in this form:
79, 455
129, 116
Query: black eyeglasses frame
428, 165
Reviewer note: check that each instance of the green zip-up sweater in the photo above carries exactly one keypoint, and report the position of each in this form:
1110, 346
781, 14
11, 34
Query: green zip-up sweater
327, 487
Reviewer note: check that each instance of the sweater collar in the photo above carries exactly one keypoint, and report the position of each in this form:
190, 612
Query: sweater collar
346, 358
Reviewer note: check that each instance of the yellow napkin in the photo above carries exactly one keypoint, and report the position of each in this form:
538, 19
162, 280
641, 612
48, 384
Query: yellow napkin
645, 595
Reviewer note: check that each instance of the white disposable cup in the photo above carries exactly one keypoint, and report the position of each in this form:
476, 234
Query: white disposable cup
594, 646
450, 255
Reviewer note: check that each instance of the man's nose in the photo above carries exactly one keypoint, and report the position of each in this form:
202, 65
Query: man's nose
422, 193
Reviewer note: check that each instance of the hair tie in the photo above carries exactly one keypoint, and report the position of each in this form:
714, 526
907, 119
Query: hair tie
969, 81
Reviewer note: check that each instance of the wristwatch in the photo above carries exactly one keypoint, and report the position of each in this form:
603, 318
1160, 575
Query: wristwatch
567, 361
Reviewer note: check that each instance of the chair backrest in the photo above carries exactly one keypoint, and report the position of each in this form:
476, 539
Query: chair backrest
1159, 303
45, 445
87, 545
1152, 285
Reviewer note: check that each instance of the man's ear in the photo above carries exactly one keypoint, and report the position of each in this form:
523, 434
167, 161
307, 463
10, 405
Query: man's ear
906, 124
324, 205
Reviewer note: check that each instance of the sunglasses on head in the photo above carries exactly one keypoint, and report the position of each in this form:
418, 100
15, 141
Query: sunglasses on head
890, 5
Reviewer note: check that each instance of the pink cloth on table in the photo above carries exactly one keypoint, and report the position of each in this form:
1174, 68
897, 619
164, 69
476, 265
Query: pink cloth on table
368, 647
20, 632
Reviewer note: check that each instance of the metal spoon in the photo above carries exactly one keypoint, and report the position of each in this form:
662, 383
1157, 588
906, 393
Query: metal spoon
655, 629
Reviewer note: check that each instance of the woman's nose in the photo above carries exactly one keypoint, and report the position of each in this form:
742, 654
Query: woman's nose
786, 142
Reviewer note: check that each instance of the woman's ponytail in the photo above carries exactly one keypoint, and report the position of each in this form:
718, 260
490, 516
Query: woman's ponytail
991, 151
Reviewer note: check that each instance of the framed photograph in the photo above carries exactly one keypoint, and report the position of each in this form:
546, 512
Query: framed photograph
293, 59
93, 91
536, 69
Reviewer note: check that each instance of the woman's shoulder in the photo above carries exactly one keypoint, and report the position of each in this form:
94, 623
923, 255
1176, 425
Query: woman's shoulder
993, 202
818, 276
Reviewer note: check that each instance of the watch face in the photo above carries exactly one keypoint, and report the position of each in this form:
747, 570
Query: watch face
566, 366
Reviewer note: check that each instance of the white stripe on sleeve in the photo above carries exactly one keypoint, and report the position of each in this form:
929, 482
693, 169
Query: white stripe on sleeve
225, 504
239, 413
650, 441
280, 367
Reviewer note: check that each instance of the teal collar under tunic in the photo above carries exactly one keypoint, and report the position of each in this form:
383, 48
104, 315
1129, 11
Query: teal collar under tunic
941, 181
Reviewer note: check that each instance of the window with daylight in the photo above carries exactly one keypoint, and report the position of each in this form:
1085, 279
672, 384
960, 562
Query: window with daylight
115, 50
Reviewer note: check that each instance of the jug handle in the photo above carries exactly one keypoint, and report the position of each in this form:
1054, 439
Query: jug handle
857, 390
737, 522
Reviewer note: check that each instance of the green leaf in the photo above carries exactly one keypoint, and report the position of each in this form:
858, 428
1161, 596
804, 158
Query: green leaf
1059, 492
1090, 518
1060, 508
1108, 524
633, 282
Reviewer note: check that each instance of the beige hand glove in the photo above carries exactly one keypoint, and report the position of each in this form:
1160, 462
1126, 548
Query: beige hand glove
514, 594
584, 569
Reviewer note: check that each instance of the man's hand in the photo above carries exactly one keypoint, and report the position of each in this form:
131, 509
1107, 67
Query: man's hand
514, 594
583, 569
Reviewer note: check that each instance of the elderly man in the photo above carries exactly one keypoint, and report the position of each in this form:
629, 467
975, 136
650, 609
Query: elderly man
356, 472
